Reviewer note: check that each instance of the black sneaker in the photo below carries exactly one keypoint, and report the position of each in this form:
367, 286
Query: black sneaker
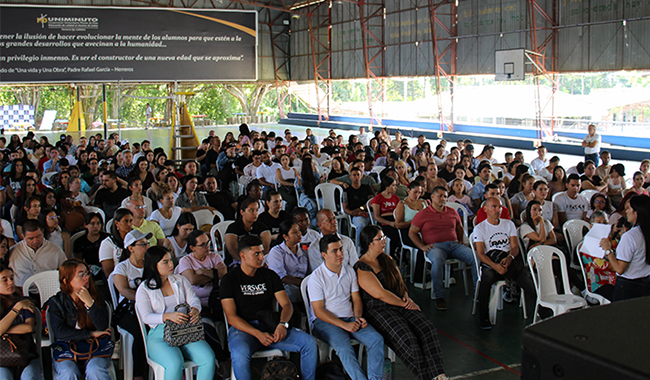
485, 324
441, 304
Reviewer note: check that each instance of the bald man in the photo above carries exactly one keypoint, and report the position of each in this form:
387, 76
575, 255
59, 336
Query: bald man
328, 224
498, 250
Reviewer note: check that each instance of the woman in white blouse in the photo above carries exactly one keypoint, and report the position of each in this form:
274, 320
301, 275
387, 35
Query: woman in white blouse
167, 214
156, 299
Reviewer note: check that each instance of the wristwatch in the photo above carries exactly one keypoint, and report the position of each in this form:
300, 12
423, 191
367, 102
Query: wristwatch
285, 324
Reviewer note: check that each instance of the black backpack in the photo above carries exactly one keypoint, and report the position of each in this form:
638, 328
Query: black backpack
280, 369
330, 371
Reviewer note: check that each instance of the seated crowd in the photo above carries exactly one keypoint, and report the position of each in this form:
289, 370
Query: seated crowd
110, 212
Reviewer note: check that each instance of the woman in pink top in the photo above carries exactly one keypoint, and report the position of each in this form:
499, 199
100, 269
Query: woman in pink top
383, 206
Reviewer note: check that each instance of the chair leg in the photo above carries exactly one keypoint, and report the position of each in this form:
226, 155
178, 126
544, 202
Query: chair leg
465, 280
522, 303
414, 254
447, 279
475, 301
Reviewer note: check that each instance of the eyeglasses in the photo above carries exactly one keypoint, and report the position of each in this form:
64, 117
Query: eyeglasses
141, 207
53, 217
203, 245
145, 244
85, 274
383, 238
600, 202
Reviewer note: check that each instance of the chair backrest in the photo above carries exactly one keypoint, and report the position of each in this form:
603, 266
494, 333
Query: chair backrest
205, 217
557, 195
46, 282
540, 262
378, 168
75, 237
523, 249
112, 290
98, 210
109, 223
221, 229
497, 171
588, 193
331, 195
477, 262
540, 178
371, 213
457, 207
573, 232
46, 178
305, 298
582, 266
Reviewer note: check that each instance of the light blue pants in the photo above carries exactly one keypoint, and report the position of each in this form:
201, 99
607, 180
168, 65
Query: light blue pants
360, 222
96, 369
339, 339
31, 372
448, 250
172, 358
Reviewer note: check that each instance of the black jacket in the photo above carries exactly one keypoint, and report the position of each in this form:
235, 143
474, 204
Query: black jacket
64, 317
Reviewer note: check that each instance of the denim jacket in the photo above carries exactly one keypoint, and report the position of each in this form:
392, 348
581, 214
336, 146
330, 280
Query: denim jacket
64, 317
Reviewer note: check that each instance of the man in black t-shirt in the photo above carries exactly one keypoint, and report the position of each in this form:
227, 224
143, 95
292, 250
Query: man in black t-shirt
243, 160
447, 172
222, 200
247, 294
109, 197
356, 197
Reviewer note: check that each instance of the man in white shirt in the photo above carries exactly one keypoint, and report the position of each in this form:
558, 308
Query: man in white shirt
266, 172
34, 254
250, 170
336, 312
328, 225
540, 162
364, 138
496, 245
591, 143
571, 204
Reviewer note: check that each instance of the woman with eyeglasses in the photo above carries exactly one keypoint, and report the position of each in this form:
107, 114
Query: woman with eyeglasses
183, 227
53, 233
111, 248
599, 202
126, 278
156, 299
17, 321
78, 313
389, 309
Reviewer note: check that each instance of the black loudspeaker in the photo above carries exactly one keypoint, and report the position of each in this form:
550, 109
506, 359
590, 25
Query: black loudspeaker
604, 342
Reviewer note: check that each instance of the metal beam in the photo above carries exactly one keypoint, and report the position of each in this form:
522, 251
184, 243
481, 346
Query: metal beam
376, 14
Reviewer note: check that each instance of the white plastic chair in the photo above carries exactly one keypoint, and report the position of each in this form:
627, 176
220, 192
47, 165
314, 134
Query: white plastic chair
109, 223
221, 228
206, 217
46, 282
540, 178
557, 195
126, 358
74, 239
589, 193
46, 178
601, 300
573, 235
411, 250
457, 207
331, 196
496, 292
157, 371
497, 171
540, 263
268, 354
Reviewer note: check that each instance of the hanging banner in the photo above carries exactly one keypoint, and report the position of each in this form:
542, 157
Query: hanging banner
93, 44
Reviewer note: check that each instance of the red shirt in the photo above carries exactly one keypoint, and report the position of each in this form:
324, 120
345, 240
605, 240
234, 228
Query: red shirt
437, 227
481, 215
386, 205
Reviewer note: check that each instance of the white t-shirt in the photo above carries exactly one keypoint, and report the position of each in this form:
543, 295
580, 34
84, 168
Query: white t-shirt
537, 165
526, 229
82, 198
108, 250
589, 139
631, 249
574, 208
167, 225
268, 172
130, 271
495, 237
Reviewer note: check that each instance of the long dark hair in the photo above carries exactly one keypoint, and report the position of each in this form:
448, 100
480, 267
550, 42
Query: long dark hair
7, 301
285, 227
555, 179
641, 205
12, 172
529, 219
608, 203
136, 169
120, 213
394, 281
621, 206
309, 181
150, 275
183, 219
386, 181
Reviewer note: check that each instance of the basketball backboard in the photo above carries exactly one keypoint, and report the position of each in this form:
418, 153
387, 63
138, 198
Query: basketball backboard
509, 64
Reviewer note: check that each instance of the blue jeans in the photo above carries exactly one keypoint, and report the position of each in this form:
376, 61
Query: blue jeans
310, 205
448, 250
593, 157
243, 346
96, 369
360, 222
31, 372
172, 358
339, 339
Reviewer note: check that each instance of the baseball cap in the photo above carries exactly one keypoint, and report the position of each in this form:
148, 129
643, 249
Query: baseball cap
336, 150
232, 145
134, 236
124, 142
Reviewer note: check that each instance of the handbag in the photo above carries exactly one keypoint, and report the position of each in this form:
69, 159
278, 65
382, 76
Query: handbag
280, 369
82, 350
14, 350
180, 334
496, 255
